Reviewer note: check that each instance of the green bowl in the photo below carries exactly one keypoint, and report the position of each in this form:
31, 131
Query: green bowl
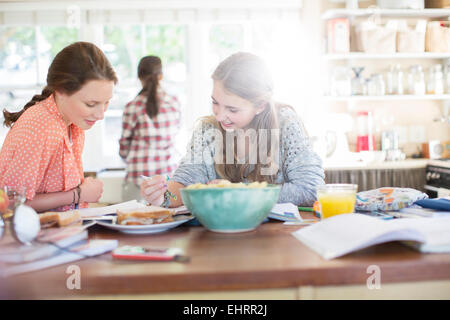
230, 209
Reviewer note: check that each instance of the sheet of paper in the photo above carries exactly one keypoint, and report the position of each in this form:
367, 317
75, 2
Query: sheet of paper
101, 211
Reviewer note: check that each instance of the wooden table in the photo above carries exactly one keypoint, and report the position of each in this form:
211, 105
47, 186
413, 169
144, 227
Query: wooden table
267, 263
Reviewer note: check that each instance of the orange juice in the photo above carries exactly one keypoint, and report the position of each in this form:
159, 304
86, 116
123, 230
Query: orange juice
336, 199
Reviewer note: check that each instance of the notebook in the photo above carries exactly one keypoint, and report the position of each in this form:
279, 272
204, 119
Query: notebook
47, 244
285, 212
342, 234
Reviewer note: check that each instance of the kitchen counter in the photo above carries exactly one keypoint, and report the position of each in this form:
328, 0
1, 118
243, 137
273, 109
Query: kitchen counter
267, 263
403, 164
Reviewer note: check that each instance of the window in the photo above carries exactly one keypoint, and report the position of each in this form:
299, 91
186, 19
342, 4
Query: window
18, 59
51, 40
22, 71
190, 42
124, 46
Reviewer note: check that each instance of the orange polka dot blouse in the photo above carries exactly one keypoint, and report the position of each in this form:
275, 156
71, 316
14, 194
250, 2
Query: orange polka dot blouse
39, 154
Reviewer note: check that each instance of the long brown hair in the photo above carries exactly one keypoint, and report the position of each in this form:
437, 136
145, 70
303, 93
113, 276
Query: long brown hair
71, 68
247, 76
149, 72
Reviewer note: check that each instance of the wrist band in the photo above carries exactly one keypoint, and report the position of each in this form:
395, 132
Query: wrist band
73, 201
79, 195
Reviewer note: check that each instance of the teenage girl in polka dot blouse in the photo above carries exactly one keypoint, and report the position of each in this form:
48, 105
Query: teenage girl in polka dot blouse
42, 151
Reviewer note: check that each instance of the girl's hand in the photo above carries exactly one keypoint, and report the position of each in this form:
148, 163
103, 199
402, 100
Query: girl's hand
91, 190
152, 190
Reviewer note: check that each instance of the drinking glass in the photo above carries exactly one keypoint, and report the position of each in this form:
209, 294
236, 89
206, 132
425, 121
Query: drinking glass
336, 199
16, 196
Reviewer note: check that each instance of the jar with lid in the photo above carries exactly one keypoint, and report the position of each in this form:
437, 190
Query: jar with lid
394, 80
416, 80
376, 85
435, 84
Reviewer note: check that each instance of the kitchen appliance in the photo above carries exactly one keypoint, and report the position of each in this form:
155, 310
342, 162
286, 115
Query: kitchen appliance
435, 149
389, 144
437, 177
365, 139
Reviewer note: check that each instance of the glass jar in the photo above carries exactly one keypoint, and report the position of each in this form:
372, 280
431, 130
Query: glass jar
447, 76
435, 84
398, 79
376, 85
358, 82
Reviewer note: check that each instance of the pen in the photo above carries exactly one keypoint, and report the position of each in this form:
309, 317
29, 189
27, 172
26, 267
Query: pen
306, 209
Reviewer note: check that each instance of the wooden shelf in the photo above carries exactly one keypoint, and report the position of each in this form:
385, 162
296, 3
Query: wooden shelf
389, 98
348, 13
398, 55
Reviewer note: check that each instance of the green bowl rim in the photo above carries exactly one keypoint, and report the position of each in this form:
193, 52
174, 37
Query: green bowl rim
269, 186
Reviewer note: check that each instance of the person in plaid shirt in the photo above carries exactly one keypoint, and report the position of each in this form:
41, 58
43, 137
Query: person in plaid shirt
149, 124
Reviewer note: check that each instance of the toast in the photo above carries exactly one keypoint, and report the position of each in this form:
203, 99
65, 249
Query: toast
60, 219
144, 216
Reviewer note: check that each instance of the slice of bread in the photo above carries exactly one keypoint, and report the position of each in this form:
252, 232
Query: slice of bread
146, 215
59, 219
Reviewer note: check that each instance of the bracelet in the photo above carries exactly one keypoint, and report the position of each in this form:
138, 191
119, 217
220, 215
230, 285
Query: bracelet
79, 194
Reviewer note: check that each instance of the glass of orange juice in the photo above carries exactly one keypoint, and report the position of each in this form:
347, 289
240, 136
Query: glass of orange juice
336, 199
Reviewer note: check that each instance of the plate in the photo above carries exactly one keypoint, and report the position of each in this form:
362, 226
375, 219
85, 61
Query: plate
146, 229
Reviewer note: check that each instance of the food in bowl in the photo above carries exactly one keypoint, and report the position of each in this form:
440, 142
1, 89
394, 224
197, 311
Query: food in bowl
227, 184
233, 207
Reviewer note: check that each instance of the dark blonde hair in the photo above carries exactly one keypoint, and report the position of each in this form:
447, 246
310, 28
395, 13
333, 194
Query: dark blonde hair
247, 76
71, 68
149, 71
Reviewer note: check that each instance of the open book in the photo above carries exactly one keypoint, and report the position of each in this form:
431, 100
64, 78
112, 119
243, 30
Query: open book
342, 234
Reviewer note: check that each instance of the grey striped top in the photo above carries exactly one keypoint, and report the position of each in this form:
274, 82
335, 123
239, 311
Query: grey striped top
300, 167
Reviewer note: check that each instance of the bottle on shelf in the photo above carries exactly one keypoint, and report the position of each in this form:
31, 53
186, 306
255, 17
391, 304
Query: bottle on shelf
416, 80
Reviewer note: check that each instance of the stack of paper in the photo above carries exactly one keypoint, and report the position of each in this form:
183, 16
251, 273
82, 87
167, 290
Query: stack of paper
72, 253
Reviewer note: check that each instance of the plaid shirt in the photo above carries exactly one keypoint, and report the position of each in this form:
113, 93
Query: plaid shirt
146, 145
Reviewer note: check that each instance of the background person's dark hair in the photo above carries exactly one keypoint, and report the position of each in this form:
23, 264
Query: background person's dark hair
149, 72
71, 68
